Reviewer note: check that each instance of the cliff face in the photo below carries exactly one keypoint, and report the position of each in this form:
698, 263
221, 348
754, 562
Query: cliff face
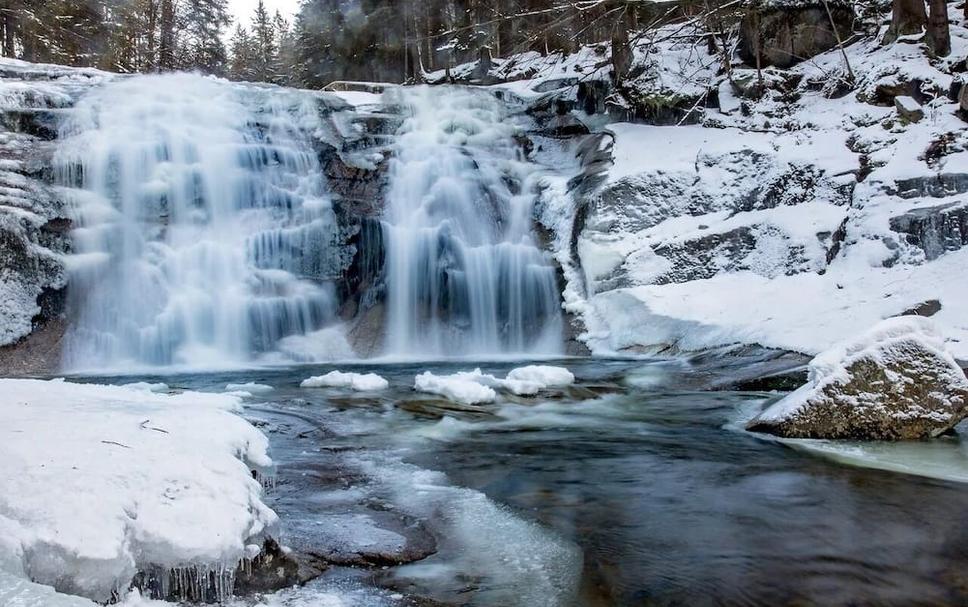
803, 204
34, 216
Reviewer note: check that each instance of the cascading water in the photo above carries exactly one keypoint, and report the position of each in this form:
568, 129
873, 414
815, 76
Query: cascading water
464, 276
201, 215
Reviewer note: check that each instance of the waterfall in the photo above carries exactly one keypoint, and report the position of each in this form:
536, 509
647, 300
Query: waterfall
201, 219
464, 274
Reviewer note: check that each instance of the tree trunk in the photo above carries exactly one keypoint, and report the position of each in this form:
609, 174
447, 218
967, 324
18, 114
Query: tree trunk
9, 29
907, 17
151, 23
166, 47
938, 38
621, 48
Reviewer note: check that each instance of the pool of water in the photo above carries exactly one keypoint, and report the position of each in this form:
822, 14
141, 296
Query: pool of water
636, 487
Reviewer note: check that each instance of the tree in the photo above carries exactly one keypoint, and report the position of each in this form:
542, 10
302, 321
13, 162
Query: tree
938, 37
264, 42
205, 21
907, 17
166, 45
242, 55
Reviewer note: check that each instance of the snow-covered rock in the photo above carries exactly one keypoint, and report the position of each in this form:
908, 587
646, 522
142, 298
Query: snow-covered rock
894, 382
908, 108
108, 481
477, 387
464, 388
362, 382
545, 375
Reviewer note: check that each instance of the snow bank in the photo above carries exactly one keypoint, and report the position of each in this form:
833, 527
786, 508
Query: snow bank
355, 381
459, 387
112, 480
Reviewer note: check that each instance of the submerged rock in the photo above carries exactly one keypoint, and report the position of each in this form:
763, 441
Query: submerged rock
895, 382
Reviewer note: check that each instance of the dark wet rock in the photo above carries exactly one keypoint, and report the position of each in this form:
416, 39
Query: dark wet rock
925, 308
749, 368
356, 184
273, 569
373, 538
693, 260
935, 230
748, 84
938, 185
786, 33
436, 408
567, 125
896, 382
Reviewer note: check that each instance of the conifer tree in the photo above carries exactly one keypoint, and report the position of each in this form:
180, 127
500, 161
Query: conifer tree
205, 22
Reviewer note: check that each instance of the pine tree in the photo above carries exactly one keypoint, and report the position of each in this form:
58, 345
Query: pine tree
242, 55
285, 51
205, 21
264, 42
166, 45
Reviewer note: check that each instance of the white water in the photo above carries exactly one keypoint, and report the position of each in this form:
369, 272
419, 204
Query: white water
202, 220
464, 274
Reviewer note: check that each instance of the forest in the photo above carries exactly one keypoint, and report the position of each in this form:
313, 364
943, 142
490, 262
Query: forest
328, 40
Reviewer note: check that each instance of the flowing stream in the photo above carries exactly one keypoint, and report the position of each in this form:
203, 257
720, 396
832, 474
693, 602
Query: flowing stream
635, 487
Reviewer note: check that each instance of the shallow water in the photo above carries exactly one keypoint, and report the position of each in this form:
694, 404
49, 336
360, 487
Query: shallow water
636, 488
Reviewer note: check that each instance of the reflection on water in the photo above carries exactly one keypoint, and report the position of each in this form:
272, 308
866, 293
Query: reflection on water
627, 490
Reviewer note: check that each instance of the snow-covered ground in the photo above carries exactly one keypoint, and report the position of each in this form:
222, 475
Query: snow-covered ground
788, 220
112, 480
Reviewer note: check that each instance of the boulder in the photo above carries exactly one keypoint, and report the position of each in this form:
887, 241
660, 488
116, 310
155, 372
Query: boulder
935, 230
908, 108
895, 382
785, 32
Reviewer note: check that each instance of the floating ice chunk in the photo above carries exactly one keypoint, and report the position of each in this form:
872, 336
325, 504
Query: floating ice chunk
147, 386
154, 480
355, 381
547, 376
463, 388
251, 388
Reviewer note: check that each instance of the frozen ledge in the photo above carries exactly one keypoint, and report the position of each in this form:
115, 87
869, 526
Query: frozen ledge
106, 483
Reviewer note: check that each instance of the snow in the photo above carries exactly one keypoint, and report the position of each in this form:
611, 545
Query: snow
147, 386
791, 174
546, 375
459, 387
907, 103
831, 366
153, 479
251, 388
362, 382
476, 387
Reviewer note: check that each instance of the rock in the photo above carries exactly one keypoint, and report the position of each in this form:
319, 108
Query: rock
748, 84
567, 125
935, 230
786, 33
908, 108
895, 382
273, 569
925, 308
